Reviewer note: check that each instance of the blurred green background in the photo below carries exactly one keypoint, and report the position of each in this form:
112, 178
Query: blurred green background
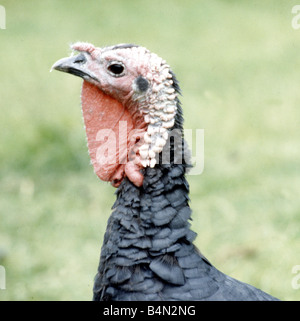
238, 65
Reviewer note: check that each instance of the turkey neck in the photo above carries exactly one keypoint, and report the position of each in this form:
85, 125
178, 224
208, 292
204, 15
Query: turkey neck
153, 218
147, 227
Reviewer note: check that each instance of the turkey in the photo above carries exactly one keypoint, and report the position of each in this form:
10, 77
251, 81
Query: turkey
134, 126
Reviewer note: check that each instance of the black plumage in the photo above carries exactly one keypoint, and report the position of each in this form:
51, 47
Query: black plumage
149, 261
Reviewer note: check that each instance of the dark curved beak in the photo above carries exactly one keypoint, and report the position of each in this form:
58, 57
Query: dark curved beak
75, 65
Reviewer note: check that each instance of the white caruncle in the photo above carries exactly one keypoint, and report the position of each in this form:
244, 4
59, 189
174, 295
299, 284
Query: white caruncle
159, 111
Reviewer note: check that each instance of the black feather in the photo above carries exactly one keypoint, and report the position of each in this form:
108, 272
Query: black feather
123, 46
167, 268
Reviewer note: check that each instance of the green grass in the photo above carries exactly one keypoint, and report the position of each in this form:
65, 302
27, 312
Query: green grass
238, 65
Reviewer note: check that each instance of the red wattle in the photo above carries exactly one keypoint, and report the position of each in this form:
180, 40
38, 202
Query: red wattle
108, 124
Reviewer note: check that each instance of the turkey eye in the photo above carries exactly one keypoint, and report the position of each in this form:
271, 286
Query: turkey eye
116, 69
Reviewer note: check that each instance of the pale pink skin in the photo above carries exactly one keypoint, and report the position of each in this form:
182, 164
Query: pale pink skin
108, 101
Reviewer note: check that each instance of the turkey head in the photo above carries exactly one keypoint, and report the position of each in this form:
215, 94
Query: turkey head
129, 102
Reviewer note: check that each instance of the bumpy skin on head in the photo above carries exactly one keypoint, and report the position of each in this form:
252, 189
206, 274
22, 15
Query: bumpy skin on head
123, 84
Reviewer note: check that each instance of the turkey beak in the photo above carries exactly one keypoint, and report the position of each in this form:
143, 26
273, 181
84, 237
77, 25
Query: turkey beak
75, 65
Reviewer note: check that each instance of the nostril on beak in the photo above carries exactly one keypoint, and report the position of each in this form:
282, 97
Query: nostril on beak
80, 59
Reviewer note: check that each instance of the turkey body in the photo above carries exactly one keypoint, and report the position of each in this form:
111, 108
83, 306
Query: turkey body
148, 252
